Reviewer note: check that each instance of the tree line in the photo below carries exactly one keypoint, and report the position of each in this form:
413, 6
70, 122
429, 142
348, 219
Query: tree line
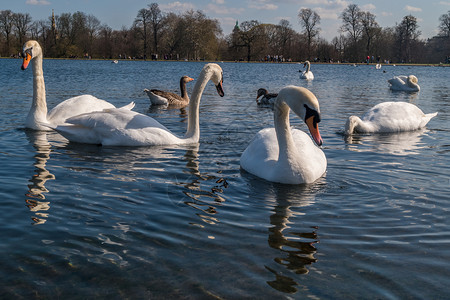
191, 35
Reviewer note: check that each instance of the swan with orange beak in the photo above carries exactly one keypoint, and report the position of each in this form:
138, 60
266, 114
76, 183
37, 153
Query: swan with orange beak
286, 155
38, 117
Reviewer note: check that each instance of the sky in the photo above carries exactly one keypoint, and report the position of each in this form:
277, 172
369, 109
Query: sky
121, 13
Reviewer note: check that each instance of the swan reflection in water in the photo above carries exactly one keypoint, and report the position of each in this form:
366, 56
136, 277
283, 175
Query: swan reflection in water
401, 143
295, 245
36, 189
203, 192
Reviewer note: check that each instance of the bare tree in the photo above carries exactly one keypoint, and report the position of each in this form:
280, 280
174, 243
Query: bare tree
6, 27
22, 22
407, 34
370, 28
247, 35
444, 25
351, 19
310, 21
93, 27
201, 35
174, 35
285, 34
141, 24
156, 22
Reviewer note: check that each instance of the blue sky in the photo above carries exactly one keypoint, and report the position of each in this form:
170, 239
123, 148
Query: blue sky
118, 13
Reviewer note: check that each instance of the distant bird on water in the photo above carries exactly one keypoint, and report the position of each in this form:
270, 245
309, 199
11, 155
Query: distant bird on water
267, 98
307, 74
404, 83
158, 97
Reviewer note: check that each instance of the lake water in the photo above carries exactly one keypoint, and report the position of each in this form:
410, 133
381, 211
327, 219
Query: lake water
88, 221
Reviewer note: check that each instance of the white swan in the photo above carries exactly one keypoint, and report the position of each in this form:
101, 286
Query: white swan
388, 117
283, 155
307, 74
71, 107
404, 83
120, 127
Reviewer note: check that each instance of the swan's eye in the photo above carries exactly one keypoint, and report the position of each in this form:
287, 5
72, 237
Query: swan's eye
28, 51
312, 113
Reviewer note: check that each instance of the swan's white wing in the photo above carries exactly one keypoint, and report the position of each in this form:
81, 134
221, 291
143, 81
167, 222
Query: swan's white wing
307, 75
261, 154
396, 117
76, 106
117, 127
400, 83
397, 82
261, 158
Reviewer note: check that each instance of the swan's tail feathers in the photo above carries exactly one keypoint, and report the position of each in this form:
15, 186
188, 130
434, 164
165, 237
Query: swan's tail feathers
432, 115
427, 118
129, 106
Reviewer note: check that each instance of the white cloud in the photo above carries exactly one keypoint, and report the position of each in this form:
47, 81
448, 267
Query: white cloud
177, 6
368, 7
262, 5
229, 21
412, 8
386, 13
444, 3
327, 14
329, 10
219, 1
222, 10
38, 2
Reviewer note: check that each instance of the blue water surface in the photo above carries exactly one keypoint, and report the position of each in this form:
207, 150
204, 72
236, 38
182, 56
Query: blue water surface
88, 221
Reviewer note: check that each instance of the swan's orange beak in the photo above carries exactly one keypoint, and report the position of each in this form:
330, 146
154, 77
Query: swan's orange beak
26, 61
314, 130
190, 79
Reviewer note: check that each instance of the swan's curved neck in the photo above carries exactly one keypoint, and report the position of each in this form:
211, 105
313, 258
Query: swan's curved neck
38, 111
308, 65
193, 129
356, 125
283, 131
411, 83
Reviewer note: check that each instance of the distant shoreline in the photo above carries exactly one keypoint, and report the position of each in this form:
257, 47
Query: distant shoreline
261, 62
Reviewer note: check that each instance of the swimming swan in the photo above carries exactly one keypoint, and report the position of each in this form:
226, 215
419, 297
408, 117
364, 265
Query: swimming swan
71, 107
388, 117
307, 74
267, 98
404, 83
119, 127
283, 155
158, 97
